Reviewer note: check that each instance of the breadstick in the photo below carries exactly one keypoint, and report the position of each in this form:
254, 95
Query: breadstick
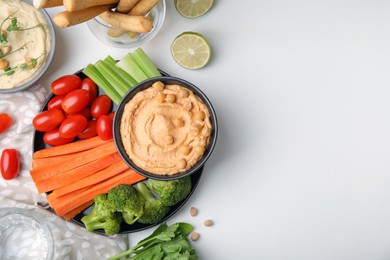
124, 6
76, 5
127, 22
66, 19
46, 3
143, 7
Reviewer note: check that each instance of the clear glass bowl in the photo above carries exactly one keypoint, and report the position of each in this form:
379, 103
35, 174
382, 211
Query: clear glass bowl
24, 235
119, 38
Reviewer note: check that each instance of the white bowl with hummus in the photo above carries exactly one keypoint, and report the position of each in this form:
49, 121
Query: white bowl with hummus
27, 44
165, 128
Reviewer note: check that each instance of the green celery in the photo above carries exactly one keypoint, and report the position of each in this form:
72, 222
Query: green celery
110, 60
91, 71
121, 73
129, 65
109, 73
145, 63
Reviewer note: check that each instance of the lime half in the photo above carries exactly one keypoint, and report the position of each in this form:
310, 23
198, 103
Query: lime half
193, 8
191, 50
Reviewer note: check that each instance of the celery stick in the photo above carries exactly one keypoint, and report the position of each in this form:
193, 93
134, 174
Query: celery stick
121, 73
94, 74
124, 75
111, 77
129, 65
145, 63
110, 60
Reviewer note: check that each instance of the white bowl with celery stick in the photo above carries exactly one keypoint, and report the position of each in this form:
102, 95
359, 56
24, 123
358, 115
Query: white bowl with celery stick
27, 45
111, 29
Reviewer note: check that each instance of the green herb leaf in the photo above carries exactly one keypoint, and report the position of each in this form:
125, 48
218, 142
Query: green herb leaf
14, 25
23, 66
3, 38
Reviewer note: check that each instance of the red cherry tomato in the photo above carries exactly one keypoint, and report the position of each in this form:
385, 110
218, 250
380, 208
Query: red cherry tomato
53, 138
72, 126
89, 131
112, 115
90, 86
86, 112
5, 122
101, 106
48, 120
104, 127
55, 103
65, 84
9, 164
75, 101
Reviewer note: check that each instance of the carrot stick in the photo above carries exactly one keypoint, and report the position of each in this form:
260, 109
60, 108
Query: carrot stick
69, 148
124, 6
127, 22
76, 5
51, 161
97, 177
143, 7
77, 210
79, 173
46, 3
66, 18
77, 160
70, 201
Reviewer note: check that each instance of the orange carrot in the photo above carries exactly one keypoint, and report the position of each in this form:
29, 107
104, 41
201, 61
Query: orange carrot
73, 213
69, 148
65, 178
74, 161
50, 161
70, 201
97, 177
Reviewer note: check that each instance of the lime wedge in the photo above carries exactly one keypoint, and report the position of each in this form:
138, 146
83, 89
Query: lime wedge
193, 8
191, 50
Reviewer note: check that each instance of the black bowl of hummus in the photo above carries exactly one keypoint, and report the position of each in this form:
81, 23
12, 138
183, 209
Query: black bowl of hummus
165, 128
27, 44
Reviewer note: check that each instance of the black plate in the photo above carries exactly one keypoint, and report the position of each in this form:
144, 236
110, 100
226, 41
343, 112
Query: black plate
39, 144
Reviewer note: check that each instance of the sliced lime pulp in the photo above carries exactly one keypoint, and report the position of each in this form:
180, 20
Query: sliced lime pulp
193, 8
191, 50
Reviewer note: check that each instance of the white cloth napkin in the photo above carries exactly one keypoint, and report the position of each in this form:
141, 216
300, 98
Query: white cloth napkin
72, 241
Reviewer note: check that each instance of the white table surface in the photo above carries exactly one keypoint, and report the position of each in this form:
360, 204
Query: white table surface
301, 89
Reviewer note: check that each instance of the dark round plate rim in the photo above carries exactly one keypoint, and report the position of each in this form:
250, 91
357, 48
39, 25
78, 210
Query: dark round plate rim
125, 228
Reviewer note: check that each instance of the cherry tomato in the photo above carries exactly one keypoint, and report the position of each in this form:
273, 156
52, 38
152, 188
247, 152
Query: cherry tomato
53, 138
55, 103
48, 120
104, 127
89, 131
86, 112
90, 86
65, 84
9, 164
75, 101
101, 106
112, 115
5, 122
72, 126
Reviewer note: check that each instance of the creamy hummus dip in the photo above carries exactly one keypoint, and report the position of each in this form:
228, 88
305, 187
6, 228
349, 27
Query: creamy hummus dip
165, 129
26, 45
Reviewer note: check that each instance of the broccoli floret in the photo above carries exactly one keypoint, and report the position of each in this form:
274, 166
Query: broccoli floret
125, 199
154, 209
103, 216
171, 192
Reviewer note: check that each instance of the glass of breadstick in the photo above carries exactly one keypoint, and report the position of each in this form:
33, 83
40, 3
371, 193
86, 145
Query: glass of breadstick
129, 28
